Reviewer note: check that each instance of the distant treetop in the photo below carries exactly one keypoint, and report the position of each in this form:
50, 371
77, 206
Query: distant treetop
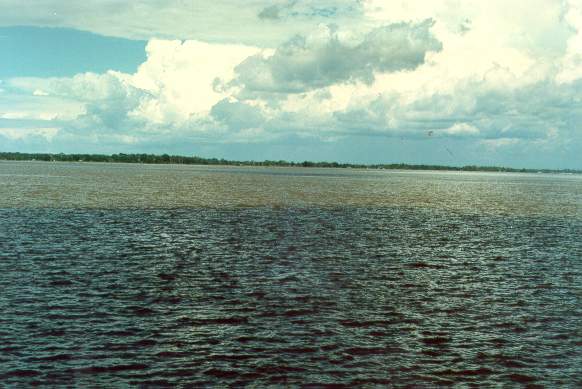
194, 160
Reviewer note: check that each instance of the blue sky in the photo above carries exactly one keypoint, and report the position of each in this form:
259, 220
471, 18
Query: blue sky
62, 52
448, 81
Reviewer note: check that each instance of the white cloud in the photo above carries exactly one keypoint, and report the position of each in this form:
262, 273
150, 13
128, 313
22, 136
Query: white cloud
501, 142
460, 129
571, 64
173, 89
497, 74
180, 77
29, 115
22, 133
27, 106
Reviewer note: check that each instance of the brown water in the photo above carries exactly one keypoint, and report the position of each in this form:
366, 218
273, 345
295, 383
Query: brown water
118, 275
94, 185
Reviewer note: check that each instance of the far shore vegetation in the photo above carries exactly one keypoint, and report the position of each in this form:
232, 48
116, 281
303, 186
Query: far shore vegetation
193, 160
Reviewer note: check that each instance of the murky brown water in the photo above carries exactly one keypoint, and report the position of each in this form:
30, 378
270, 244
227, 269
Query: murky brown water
118, 275
94, 185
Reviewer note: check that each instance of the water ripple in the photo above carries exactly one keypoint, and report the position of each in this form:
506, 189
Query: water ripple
319, 297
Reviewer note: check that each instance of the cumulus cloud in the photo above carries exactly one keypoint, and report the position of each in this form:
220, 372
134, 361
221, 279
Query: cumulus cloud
173, 90
419, 71
329, 57
107, 98
16, 107
571, 64
81, 87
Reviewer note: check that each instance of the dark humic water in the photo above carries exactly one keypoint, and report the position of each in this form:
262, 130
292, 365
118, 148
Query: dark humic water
129, 275
275, 296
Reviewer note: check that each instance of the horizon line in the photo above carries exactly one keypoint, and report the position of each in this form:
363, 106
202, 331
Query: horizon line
167, 159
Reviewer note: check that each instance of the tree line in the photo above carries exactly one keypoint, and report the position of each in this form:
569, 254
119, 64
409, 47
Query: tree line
194, 160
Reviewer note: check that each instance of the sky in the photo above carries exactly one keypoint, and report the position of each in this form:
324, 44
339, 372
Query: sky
452, 82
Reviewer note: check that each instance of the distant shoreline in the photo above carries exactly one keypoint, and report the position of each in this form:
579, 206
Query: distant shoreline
184, 160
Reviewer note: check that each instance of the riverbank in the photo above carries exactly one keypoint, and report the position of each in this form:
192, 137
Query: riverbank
194, 160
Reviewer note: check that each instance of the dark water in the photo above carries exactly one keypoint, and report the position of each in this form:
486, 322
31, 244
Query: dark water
297, 292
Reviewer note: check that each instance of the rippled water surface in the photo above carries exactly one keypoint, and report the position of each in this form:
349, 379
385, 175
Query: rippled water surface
116, 275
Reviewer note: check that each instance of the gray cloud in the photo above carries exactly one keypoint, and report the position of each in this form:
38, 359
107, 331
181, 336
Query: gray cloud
271, 12
108, 100
236, 115
311, 9
305, 63
229, 21
537, 113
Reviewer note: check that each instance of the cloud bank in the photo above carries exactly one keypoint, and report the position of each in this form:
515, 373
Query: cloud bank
263, 23
326, 58
466, 74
